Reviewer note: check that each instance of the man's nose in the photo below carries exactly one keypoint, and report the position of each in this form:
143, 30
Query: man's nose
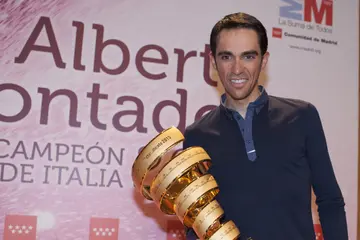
237, 67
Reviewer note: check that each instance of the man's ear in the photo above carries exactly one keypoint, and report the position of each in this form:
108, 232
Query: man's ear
264, 60
212, 59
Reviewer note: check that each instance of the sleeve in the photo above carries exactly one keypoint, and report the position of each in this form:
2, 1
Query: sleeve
329, 199
189, 138
189, 141
192, 138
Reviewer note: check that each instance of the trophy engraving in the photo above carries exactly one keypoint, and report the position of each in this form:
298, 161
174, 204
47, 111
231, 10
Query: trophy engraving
182, 186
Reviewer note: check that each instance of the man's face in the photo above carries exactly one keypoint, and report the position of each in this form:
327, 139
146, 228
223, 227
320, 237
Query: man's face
239, 63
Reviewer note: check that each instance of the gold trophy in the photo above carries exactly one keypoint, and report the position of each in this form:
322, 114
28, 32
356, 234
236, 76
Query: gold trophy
181, 186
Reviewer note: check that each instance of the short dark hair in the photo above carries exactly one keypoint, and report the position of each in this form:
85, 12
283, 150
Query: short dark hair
239, 20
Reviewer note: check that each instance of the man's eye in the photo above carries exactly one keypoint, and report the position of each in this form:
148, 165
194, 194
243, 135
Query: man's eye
225, 57
249, 57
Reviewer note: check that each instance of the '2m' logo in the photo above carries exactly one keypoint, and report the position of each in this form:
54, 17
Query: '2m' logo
304, 10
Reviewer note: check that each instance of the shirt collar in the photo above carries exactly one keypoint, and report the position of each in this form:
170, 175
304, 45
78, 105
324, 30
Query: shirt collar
257, 104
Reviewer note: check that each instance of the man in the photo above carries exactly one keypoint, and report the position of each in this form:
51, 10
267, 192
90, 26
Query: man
267, 152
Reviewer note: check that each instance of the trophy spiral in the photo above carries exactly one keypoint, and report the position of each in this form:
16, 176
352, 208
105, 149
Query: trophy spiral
181, 186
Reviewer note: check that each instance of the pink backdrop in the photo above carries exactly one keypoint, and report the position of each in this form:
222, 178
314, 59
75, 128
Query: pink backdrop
85, 84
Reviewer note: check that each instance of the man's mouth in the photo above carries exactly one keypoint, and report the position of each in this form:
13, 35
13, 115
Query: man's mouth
239, 80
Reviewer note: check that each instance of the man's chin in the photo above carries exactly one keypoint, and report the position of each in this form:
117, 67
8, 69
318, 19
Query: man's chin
238, 96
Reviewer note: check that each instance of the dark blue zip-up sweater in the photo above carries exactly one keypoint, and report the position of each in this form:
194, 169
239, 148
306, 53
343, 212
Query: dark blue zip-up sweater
269, 197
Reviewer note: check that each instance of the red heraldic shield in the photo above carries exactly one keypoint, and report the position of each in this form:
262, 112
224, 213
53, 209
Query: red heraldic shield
104, 229
175, 230
318, 232
20, 227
